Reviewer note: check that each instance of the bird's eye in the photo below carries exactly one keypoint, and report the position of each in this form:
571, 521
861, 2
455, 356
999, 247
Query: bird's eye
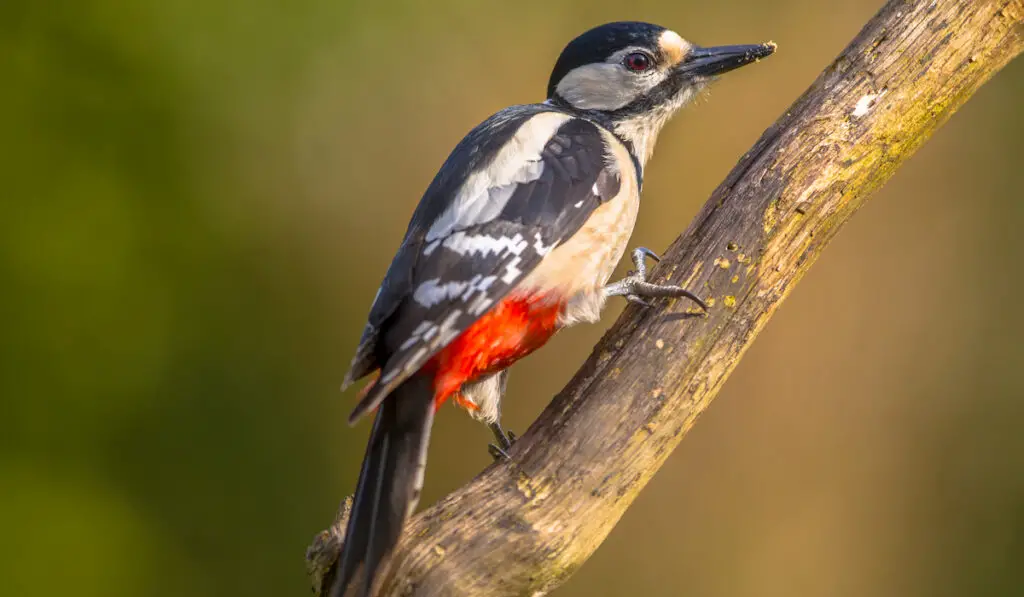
638, 62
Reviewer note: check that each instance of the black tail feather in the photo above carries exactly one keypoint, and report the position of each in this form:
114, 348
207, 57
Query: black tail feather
389, 482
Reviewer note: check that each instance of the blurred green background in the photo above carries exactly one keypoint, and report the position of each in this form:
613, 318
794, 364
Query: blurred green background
201, 199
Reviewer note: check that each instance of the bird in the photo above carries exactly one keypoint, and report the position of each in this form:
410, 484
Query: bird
514, 239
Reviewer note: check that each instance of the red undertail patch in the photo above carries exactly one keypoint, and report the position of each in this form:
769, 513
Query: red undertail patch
512, 329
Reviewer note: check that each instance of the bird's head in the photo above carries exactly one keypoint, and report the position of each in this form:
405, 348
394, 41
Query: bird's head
634, 76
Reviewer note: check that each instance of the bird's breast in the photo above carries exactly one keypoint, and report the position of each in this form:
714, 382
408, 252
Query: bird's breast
580, 266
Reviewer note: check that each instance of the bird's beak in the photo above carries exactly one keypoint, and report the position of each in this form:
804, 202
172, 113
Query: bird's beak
708, 62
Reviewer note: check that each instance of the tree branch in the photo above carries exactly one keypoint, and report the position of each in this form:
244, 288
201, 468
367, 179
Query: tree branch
525, 526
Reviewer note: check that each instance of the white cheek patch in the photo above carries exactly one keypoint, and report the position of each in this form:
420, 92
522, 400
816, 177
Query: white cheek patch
596, 87
607, 85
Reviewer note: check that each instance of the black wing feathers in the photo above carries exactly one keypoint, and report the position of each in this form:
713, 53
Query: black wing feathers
573, 159
448, 283
473, 152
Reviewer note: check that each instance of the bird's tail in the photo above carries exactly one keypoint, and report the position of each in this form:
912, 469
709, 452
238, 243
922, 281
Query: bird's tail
389, 482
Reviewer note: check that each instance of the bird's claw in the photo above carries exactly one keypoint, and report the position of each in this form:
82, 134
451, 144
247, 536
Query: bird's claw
633, 298
497, 453
635, 287
506, 439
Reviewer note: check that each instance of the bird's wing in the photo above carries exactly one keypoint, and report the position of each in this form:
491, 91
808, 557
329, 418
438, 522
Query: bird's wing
518, 185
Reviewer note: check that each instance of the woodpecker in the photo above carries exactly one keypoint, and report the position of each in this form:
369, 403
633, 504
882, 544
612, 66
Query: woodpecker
515, 238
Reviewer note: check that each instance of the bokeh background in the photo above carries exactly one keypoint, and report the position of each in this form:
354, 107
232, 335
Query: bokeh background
201, 198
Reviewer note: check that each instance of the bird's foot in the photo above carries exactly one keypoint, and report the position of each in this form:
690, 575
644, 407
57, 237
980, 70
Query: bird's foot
505, 439
635, 287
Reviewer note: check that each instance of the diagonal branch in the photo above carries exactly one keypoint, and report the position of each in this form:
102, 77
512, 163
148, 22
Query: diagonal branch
524, 527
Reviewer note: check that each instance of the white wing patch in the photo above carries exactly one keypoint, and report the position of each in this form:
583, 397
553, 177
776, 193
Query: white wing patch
424, 330
607, 85
484, 244
485, 192
445, 332
481, 304
512, 271
433, 291
540, 247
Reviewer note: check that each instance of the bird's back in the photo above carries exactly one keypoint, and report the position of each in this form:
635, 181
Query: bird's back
530, 172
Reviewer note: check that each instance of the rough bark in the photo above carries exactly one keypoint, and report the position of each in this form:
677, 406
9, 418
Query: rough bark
523, 527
